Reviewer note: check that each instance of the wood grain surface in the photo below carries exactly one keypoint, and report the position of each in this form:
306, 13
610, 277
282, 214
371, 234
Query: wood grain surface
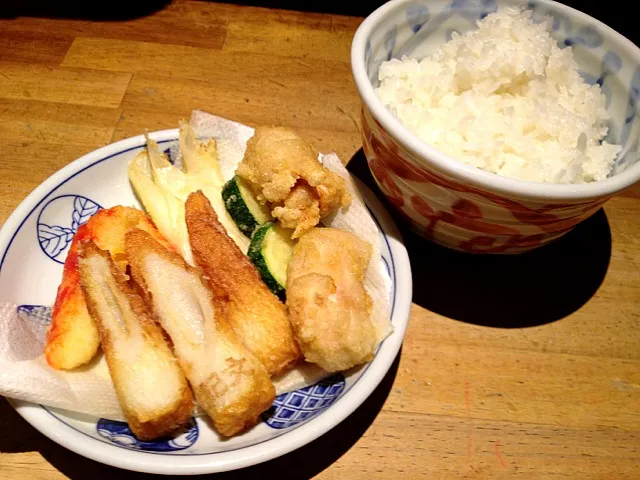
512, 367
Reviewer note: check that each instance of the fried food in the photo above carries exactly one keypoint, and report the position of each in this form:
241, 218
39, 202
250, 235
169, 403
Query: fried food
256, 314
151, 388
72, 338
329, 307
229, 383
163, 187
283, 170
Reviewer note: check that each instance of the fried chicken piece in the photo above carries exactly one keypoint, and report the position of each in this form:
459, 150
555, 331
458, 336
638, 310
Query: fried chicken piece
256, 314
329, 307
72, 338
283, 170
301, 209
151, 388
229, 383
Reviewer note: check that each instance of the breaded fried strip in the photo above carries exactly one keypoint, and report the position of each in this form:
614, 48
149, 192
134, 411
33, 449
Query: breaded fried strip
329, 308
152, 390
72, 338
256, 314
229, 383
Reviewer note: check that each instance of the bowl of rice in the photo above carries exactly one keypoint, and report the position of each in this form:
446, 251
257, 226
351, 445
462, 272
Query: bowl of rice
496, 126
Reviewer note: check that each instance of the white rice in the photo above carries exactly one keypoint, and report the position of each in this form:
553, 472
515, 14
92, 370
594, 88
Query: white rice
507, 99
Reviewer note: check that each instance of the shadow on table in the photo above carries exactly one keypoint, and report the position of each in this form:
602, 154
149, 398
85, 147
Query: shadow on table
125, 10
303, 463
119, 10
506, 291
361, 8
608, 13
114, 10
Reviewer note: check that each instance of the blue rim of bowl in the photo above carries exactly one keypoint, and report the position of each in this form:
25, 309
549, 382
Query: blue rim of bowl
44, 193
459, 170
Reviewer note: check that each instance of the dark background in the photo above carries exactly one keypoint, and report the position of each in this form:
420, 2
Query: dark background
618, 14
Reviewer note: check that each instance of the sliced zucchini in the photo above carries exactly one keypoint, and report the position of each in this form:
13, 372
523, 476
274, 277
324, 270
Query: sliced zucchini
270, 251
243, 207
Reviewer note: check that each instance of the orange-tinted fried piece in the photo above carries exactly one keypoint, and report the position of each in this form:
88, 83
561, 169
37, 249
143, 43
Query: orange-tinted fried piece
72, 338
283, 170
151, 388
229, 382
256, 314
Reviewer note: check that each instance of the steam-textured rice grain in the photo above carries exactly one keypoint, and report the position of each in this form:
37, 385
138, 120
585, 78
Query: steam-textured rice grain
505, 98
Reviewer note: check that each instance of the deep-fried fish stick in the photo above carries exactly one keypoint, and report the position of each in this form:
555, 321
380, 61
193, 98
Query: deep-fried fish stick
72, 338
255, 313
152, 390
229, 383
329, 307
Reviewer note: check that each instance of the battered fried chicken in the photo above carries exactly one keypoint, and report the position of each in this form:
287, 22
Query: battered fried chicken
329, 307
283, 170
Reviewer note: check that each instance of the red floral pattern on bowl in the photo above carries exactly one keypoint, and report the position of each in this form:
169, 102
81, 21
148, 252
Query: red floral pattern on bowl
459, 216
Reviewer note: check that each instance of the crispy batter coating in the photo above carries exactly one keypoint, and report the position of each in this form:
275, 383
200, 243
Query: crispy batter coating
72, 338
151, 388
283, 170
329, 307
256, 314
301, 209
229, 383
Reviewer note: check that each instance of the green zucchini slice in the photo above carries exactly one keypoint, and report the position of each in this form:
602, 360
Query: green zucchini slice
270, 251
245, 210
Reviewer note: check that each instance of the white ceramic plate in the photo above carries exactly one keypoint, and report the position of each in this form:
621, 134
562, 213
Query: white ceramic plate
33, 245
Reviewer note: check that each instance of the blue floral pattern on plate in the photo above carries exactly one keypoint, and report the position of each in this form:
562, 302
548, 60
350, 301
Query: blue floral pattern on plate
417, 16
39, 313
587, 36
120, 434
54, 239
167, 152
295, 407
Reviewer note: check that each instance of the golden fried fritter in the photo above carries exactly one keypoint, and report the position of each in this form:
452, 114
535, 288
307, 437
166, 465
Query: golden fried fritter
72, 337
256, 314
151, 388
329, 307
283, 170
229, 383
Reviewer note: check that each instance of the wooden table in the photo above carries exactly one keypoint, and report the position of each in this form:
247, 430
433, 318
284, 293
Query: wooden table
523, 367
